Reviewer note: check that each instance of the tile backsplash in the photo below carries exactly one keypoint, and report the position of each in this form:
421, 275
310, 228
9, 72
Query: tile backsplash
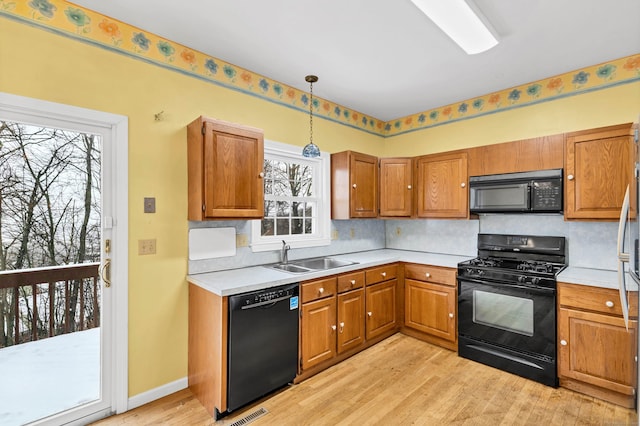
589, 244
353, 236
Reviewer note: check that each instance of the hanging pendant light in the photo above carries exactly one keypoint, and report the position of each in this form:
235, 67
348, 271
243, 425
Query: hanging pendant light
311, 149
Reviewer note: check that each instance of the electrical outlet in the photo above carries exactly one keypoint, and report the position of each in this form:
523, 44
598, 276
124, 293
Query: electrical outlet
147, 246
242, 240
334, 234
398, 231
352, 233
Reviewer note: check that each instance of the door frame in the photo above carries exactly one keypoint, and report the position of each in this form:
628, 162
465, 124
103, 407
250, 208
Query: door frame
14, 106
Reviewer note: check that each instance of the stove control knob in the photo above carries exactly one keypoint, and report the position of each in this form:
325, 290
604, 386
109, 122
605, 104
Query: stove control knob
480, 272
469, 271
522, 279
535, 280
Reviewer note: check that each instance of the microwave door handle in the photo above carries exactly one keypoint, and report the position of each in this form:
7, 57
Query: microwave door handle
623, 257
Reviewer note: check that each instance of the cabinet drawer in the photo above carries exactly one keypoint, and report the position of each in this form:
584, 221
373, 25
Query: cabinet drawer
604, 300
381, 273
318, 289
435, 274
352, 281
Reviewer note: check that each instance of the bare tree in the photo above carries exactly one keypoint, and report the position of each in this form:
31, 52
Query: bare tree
49, 215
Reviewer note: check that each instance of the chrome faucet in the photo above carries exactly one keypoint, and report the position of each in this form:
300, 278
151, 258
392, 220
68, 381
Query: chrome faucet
284, 253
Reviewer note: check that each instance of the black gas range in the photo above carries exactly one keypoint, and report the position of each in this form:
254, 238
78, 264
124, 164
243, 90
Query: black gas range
507, 304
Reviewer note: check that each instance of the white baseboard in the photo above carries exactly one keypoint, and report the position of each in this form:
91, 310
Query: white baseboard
157, 393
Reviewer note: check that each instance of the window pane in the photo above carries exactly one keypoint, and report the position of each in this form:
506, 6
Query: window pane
310, 209
267, 227
308, 228
296, 226
283, 209
283, 227
269, 209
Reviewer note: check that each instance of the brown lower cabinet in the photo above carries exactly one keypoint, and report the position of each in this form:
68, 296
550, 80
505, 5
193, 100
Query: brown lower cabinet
596, 352
431, 304
333, 323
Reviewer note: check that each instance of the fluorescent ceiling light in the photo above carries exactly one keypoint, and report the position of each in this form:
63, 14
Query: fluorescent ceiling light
460, 22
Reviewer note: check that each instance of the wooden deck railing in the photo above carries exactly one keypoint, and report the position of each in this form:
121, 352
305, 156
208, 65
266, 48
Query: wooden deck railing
45, 302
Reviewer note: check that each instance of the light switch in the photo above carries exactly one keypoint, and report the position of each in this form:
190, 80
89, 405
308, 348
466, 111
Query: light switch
149, 205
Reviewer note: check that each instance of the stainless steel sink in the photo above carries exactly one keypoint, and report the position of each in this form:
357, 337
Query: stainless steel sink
289, 267
309, 265
321, 263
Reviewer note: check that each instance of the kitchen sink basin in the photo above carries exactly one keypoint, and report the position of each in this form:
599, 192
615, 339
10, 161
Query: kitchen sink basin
321, 263
290, 267
309, 265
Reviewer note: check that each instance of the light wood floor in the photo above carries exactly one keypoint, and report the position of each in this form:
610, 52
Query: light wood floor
401, 381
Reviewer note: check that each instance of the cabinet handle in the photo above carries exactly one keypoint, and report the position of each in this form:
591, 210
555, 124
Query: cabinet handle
353, 282
609, 304
428, 275
369, 314
321, 290
333, 327
570, 177
462, 185
563, 342
261, 174
409, 187
384, 274
341, 327
450, 315
354, 186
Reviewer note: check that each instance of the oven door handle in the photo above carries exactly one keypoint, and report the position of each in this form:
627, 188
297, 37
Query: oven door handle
533, 289
623, 257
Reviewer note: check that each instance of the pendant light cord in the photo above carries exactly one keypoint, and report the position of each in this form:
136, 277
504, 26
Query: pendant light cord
311, 114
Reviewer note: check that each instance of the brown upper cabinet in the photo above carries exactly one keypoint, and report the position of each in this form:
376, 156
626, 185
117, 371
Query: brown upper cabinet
225, 170
354, 185
442, 181
541, 153
598, 168
396, 187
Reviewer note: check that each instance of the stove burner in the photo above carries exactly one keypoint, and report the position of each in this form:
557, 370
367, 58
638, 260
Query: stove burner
486, 262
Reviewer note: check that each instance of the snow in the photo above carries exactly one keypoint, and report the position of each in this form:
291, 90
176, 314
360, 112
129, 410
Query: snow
38, 379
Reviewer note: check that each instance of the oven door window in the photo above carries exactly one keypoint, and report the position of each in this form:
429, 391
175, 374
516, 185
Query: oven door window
510, 313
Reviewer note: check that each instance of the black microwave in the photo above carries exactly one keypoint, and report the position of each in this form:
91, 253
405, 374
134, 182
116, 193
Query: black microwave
526, 192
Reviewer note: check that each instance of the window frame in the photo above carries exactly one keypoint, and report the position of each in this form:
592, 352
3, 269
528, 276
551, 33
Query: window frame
322, 186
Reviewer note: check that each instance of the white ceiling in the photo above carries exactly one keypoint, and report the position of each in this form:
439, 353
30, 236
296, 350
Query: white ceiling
384, 58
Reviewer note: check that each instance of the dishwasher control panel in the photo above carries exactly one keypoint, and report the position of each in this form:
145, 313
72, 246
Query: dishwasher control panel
263, 297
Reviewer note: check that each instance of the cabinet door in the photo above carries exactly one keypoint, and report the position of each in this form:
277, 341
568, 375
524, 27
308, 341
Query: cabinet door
381, 308
350, 320
233, 163
597, 349
431, 308
599, 166
364, 185
442, 186
318, 332
396, 187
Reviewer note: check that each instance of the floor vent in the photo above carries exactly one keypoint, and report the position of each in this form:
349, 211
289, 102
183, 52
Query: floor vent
250, 417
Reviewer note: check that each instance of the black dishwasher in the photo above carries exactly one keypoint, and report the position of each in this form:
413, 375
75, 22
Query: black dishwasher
263, 343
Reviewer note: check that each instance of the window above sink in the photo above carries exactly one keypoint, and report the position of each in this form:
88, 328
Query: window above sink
297, 194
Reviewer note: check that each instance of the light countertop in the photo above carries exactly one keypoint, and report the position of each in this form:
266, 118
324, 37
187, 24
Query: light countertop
236, 281
595, 277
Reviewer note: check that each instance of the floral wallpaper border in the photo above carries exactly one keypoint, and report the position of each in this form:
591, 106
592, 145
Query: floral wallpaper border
68, 19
